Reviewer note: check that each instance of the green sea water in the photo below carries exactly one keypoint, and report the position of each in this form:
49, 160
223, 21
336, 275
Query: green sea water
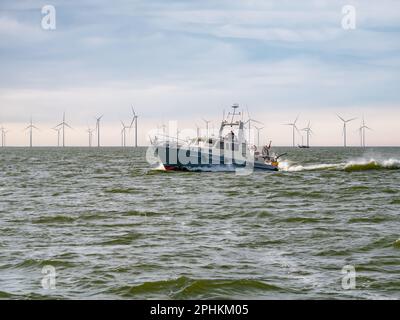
112, 228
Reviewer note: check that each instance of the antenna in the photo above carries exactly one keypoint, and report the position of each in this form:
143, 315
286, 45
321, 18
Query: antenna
234, 107
345, 128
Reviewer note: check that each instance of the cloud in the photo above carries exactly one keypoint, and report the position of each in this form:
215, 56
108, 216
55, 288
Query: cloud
188, 59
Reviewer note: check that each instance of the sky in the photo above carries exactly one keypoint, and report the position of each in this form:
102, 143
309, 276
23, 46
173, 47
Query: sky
184, 60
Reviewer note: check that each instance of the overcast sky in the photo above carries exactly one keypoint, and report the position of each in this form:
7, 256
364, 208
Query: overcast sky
183, 60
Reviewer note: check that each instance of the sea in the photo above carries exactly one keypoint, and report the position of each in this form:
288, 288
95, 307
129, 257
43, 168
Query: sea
101, 223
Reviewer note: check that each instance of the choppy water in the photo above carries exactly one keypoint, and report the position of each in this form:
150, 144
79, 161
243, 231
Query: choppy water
114, 229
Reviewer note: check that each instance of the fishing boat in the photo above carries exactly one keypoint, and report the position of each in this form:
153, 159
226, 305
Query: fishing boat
229, 151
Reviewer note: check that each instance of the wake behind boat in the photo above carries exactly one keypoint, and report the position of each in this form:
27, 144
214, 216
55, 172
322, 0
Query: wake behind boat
229, 151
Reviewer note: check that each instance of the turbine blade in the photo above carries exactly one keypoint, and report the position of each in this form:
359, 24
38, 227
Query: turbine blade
256, 121
341, 118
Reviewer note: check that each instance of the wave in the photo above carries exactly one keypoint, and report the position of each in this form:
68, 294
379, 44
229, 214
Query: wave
121, 190
287, 166
54, 219
350, 166
5, 295
372, 164
186, 288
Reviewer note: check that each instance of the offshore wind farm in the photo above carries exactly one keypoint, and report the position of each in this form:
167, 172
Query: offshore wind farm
210, 150
132, 128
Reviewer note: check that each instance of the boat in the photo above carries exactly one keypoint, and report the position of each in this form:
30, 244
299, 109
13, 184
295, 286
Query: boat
229, 151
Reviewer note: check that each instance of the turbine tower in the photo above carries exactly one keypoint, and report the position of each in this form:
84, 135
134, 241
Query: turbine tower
197, 131
123, 134
362, 132
98, 129
3, 136
294, 126
63, 124
345, 122
134, 121
30, 127
90, 133
249, 121
207, 122
58, 135
309, 131
258, 135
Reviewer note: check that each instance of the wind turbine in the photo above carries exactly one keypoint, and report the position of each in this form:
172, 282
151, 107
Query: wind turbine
258, 135
294, 126
98, 129
345, 122
309, 131
4, 133
197, 130
1, 131
63, 124
134, 121
30, 127
90, 133
362, 132
207, 122
58, 135
123, 134
249, 121
3, 136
